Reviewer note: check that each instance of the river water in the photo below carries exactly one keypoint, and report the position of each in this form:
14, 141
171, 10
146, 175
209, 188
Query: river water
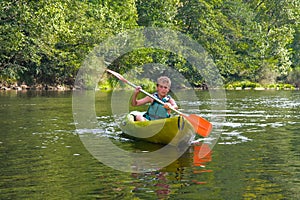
256, 157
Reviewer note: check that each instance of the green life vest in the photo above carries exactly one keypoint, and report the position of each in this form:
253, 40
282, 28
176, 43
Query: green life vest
156, 110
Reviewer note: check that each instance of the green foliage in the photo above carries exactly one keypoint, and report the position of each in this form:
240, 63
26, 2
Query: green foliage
157, 13
280, 86
47, 41
251, 85
243, 85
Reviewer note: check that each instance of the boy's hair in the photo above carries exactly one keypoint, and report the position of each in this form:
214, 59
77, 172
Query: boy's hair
164, 80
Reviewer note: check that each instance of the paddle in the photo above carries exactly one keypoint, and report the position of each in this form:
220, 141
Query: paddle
201, 126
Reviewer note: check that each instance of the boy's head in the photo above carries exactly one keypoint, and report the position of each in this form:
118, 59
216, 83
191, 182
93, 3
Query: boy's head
164, 81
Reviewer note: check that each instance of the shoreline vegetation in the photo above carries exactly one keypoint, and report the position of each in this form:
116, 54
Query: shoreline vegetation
105, 87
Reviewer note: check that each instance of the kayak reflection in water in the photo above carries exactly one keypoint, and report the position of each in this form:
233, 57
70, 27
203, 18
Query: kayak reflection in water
156, 110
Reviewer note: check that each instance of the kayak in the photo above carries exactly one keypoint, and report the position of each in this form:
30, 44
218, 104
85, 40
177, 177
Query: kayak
175, 130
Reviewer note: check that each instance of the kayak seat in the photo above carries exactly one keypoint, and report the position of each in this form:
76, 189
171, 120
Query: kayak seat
134, 117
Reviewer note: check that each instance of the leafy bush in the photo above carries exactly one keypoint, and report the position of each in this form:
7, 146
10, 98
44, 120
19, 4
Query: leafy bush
243, 85
280, 86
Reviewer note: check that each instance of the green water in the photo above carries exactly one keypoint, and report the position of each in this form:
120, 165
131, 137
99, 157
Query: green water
256, 157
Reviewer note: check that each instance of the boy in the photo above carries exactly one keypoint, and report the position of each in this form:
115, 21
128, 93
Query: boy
156, 110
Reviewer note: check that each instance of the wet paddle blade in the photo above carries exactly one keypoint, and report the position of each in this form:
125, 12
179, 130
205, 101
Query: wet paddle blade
201, 125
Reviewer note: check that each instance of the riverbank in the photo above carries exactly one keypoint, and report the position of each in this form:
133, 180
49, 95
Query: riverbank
244, 85
69, 88
36, 87
247, 85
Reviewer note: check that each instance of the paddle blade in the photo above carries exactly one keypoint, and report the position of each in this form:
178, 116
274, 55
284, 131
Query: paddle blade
201, 126
119, 76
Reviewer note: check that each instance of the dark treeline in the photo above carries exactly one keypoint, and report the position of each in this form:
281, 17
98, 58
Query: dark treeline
45, 41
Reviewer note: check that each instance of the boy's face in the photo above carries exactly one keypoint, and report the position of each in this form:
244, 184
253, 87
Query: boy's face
162, 89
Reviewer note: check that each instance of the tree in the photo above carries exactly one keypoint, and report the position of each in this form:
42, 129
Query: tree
46, 41
276, 19
157, 13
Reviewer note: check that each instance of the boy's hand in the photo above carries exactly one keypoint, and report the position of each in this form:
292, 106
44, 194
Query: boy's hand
137, 89
167, 106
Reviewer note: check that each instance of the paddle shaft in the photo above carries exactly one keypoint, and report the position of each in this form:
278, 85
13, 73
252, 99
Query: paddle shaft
152, 96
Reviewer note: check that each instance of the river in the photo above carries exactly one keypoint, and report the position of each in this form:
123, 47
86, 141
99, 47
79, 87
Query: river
256, 157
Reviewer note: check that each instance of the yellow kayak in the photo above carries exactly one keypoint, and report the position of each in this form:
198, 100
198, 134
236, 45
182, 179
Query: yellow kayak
174, 130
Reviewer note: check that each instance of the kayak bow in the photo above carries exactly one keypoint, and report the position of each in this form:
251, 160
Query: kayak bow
175, 130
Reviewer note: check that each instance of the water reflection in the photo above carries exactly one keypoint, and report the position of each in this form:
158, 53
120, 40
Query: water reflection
185, 171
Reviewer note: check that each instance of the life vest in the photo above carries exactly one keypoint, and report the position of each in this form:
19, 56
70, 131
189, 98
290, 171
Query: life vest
156, 110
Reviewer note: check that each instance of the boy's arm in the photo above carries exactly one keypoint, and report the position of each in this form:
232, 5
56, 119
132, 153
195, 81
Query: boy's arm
139, 102
142, 101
